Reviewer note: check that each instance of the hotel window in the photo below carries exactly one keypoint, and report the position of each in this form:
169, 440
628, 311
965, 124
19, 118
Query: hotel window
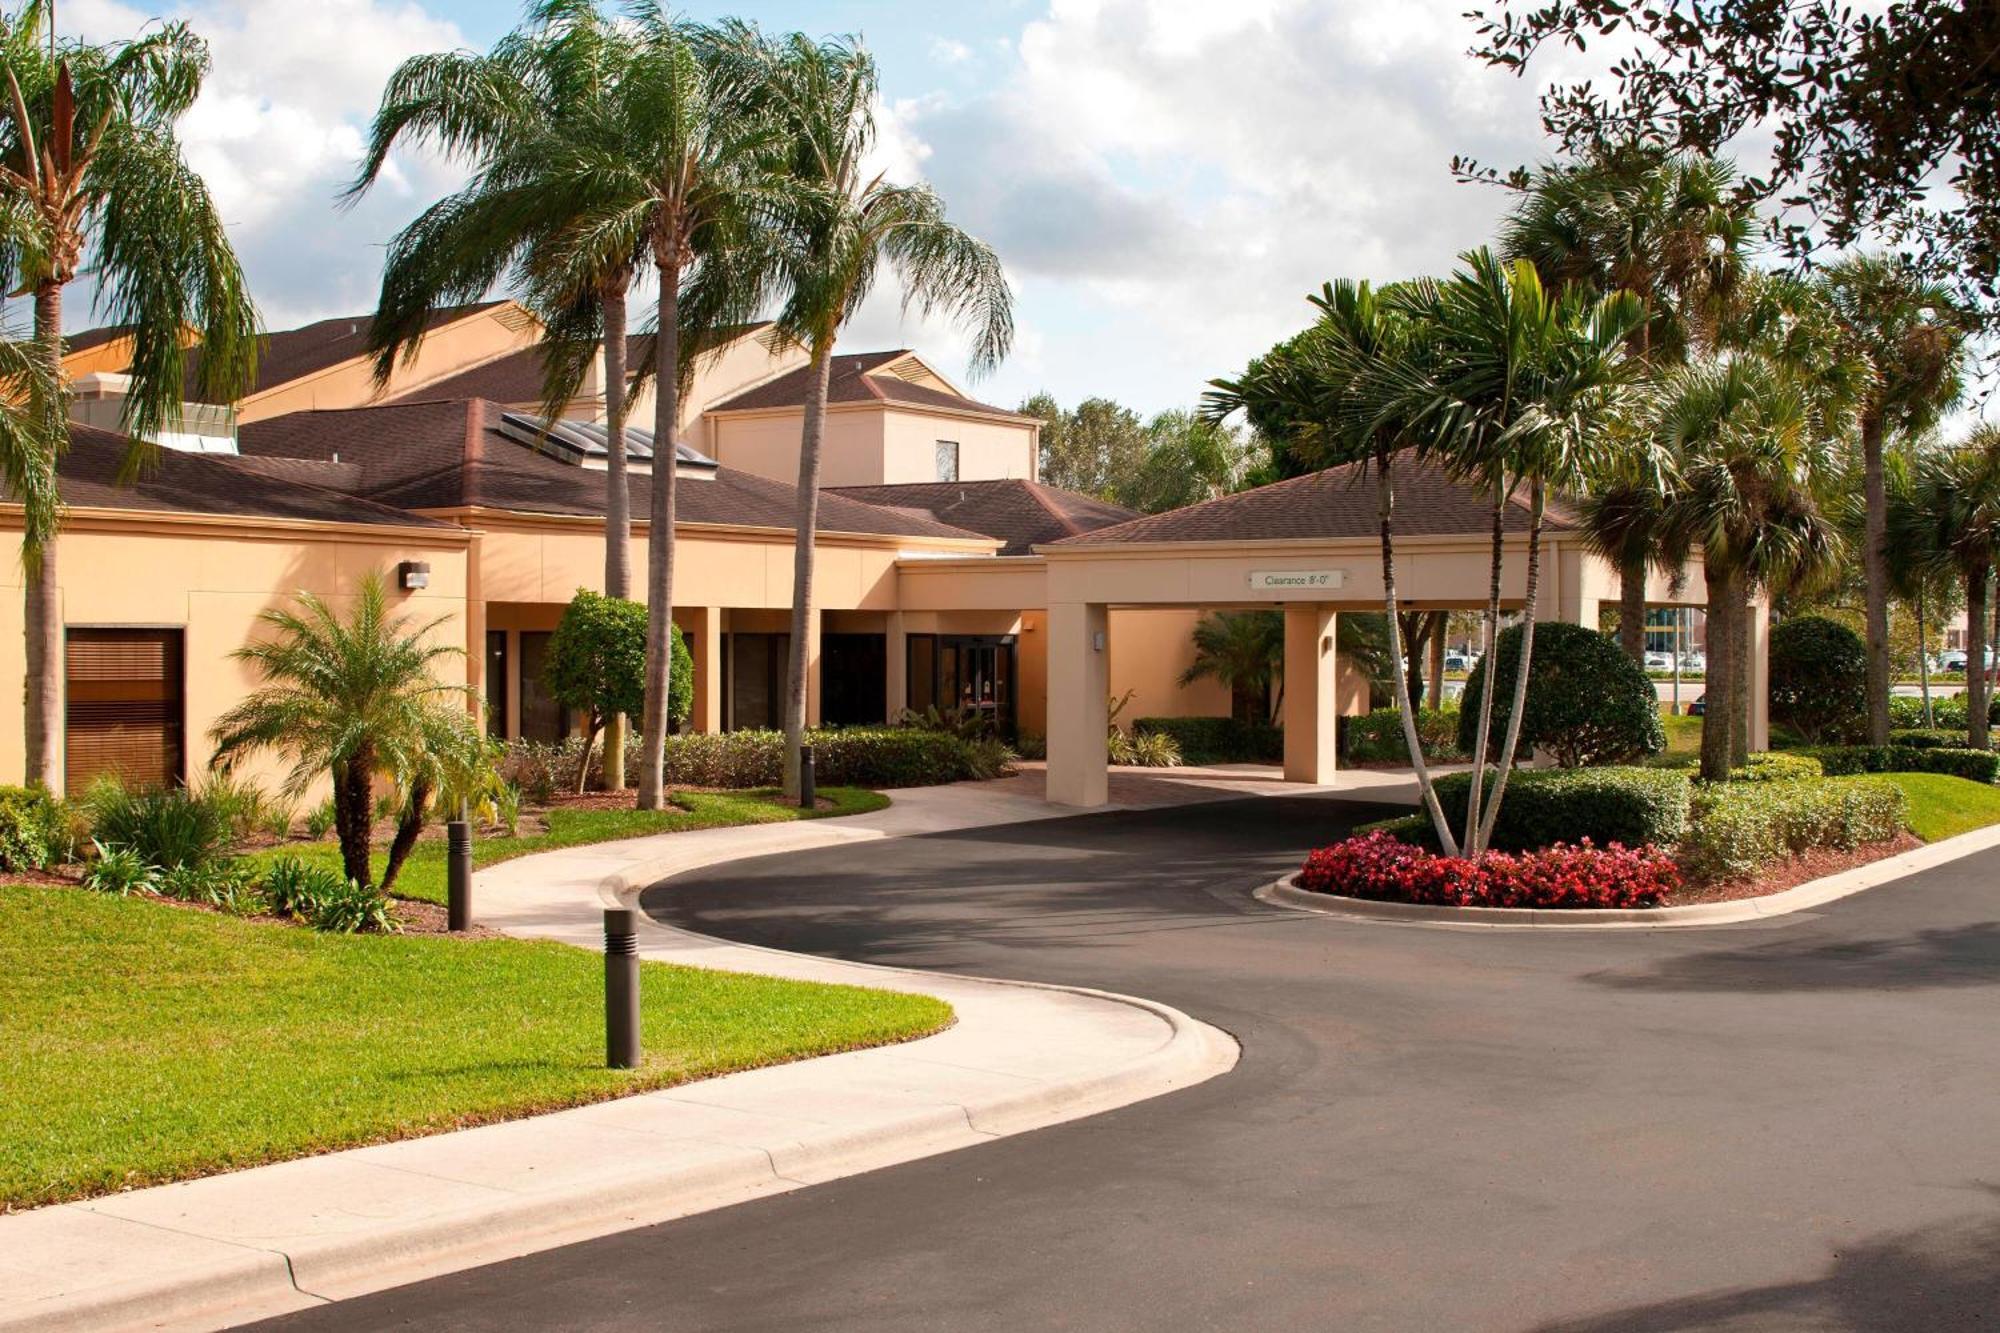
947, 460
125, 706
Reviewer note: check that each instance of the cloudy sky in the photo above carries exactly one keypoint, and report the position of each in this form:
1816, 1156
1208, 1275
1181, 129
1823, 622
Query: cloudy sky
1164, 179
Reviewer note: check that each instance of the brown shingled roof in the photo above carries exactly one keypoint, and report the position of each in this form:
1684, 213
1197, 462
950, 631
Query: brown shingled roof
851, 379
450, 453
291, 354
179, 482
1023, 514
1332, 505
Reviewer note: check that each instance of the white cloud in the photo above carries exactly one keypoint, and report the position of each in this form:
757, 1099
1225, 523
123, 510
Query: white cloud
950, 51
279, 130
1175, 176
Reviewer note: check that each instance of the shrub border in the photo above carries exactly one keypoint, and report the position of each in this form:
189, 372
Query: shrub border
1284, 893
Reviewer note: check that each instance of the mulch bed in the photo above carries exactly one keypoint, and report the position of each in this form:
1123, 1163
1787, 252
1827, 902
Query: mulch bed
1798, 870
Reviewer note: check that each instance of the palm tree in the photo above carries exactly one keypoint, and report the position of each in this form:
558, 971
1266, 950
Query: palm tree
1245, 652
92, 179
1322, 391
823, 93
353, 699
680, 165
1912, 335
1746, 456
1514, 386
1671, 228
1953, 520
505, 113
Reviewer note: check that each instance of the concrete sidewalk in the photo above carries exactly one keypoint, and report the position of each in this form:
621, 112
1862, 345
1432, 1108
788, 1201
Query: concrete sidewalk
269, 1239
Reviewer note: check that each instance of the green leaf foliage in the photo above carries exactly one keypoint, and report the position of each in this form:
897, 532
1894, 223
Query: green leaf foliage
1977, 765
596, 660
1217, 740
1740, 827
35, 830
1633, 806
1819, 679
1588, 703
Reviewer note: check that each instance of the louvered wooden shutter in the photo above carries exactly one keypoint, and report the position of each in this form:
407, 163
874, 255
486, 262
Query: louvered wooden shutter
125, 706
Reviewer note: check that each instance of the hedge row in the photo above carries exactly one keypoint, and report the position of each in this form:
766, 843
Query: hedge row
1545, 806
1842, 760
1929, 738
35, 830
845, 757
1948, 712
1739, 827
1217, 740
1377, 737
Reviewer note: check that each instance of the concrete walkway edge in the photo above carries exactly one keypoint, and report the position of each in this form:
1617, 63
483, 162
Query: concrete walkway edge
1801, 897
269, 1239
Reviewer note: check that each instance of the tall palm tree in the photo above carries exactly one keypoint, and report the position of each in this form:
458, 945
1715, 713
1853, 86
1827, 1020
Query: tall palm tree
1953, 520
1325, 390
680, 165
1746, 456
1516, 386
355, 699
92, 179
531, 90
1673, 229
1912, 335
823, 93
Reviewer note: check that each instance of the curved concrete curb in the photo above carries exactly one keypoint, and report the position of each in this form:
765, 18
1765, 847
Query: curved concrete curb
262, 1241
1799, 898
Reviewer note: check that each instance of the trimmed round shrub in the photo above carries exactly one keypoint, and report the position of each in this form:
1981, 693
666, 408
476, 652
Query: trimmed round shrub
1819, 679
1588, 703
1545, 806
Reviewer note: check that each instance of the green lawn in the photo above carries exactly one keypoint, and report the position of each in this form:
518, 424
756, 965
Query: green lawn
143, 1042
423, 875
1942, 806
1683, 732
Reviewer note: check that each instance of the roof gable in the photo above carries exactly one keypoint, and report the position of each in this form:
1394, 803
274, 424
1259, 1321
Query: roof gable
1022, 514
1333, 505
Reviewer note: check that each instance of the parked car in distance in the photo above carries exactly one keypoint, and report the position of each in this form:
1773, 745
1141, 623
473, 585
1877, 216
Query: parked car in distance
1699, 708
1693, 661
1952, 662
1459, 662
1659, 661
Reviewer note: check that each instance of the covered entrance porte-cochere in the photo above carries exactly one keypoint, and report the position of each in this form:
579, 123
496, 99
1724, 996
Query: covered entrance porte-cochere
1311, 547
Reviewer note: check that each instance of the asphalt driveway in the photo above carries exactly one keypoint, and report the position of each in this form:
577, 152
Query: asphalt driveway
1792, 1125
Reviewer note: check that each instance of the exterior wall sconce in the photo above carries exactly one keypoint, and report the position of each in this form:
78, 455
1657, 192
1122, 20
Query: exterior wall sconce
1097, 641
413, 575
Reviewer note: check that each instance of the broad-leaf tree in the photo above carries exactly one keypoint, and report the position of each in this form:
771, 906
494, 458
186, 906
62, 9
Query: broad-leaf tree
849, 224
92, 180
1868, 109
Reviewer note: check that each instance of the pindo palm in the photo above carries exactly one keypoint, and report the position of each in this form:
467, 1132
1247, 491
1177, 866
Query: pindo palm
354, 698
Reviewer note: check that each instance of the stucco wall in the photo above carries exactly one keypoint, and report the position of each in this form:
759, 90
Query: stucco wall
212, 580
988, 450
767, 444
1149, 651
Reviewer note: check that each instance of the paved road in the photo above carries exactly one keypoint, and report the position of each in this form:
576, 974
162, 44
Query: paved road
1788, 1126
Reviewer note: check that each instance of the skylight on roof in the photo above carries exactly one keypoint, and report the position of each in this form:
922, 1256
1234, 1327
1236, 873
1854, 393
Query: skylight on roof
586, 443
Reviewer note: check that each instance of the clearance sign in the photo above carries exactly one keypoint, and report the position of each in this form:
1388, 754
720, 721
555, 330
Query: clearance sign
1296, 580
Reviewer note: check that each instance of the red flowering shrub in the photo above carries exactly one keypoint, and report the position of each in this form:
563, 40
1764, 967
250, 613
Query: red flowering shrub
1381, 867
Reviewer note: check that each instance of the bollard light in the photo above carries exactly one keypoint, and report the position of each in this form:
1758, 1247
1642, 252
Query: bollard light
808, 785
458, 874
621, 988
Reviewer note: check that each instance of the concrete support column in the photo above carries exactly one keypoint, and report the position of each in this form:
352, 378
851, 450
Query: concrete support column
896, 674
706, 716
1760, 673
813, 621
1311, 694
1574, 602
1079, 694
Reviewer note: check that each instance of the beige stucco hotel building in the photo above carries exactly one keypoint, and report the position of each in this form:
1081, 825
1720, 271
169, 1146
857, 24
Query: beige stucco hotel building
947, 574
